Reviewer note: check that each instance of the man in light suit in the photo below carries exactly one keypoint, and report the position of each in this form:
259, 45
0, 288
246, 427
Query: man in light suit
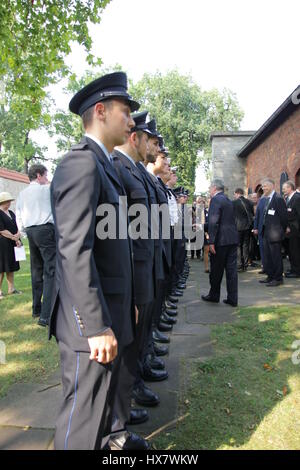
93, 316
275, 221
223, 241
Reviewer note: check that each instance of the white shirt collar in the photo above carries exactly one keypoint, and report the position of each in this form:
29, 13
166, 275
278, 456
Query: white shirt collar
127, 156
271, 195
102, 146
291, 195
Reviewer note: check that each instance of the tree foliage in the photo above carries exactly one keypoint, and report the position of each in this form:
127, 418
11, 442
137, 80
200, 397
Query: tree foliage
35, 38
186, 116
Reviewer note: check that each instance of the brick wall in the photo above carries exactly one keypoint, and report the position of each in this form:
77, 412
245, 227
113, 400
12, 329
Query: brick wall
278, 153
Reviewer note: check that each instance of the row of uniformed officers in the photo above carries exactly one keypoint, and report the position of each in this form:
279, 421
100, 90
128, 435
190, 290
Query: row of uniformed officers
114, 298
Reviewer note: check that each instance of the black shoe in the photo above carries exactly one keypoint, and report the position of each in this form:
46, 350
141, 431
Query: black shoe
262, 272
265, 281
242, 269
291, 275
152, 375
172, 312
181, 286
162, 326
173, 299
144, 396
42, 322
253, 265
207, 298
36, 315
138, 416
168, 320
155, 362
274, 283
159, 337
160, 350
171, 305
128, 441
229, 302
177, 293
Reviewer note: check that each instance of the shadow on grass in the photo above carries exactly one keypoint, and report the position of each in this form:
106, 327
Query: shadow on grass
248, 395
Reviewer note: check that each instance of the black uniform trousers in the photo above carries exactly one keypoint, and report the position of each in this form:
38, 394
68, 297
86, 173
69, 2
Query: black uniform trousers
244, 247
131, 369
42, 247
89, 389
224, 259
273, 264
294, 254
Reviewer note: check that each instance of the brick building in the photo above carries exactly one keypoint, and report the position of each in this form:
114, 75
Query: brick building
273, 151
13, 182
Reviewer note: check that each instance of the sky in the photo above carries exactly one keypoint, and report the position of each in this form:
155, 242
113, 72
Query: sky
251, 47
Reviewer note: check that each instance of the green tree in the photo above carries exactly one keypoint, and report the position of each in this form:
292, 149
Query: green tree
35, 38
186, 116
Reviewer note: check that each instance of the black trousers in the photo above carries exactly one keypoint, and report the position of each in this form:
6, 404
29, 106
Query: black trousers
273, 264
89, 390
42, 262
224, 259
294, 254
244, 247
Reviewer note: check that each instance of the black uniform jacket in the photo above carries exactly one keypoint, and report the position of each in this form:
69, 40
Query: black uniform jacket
94, 277
276, 219
293, 210
157, 199
244, 213
143, 247
222, 230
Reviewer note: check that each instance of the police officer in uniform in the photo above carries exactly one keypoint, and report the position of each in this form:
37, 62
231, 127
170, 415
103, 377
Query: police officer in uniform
93, 316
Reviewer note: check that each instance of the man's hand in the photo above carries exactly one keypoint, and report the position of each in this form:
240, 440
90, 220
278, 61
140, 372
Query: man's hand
136, 315
288, 230
104, 348
18, 243
255, 231
212, 249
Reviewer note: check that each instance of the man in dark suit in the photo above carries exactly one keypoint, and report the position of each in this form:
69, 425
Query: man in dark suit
258, 228
293, 230
223, 241
244, 214
275, 221
93, 316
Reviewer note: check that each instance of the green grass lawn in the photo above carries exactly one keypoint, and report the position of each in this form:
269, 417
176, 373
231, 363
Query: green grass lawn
29, 354
248, 395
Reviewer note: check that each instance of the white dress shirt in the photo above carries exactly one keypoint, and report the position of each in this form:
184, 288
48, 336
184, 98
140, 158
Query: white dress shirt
33, 206
173, 209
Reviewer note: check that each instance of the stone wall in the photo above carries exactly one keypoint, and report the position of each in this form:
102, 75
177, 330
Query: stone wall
13, 187
278, 153
225, 163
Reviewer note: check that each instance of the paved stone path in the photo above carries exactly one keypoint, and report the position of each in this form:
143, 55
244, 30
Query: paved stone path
28, 412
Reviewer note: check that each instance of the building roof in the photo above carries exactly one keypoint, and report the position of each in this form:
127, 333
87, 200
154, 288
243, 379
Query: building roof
231, 134
13, 175
278, 117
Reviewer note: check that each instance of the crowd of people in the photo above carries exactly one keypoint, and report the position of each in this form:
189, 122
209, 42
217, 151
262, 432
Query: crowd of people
109, 299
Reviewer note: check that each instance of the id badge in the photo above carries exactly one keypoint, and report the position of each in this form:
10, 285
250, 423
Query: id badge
271, 212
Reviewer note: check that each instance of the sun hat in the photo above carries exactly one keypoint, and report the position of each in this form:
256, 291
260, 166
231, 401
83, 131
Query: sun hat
6, 197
